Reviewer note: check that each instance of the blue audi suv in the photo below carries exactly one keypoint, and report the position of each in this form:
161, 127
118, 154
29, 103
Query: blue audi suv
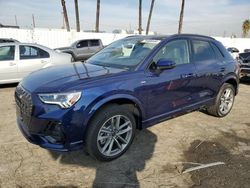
131, 84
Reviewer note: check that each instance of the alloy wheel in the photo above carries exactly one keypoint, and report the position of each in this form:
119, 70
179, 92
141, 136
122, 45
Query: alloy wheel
114, 135
226, 101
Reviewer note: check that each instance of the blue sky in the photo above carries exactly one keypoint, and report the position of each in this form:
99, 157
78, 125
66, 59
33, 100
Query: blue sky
210, 17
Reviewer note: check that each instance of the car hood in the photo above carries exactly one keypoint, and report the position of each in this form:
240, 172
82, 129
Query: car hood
62, 77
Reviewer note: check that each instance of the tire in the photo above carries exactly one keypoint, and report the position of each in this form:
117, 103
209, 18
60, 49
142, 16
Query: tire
104, 141
224, 101
73, 58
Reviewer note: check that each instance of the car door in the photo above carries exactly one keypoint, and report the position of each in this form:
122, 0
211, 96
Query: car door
8, 64
31, 58
171, 90
210, 68
82, 49
94, 46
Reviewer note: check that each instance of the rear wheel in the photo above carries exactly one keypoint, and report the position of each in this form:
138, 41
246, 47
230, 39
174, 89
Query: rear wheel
224, 101
110, 133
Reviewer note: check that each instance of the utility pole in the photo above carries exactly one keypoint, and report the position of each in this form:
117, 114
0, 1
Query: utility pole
97, 16
33, 20
65, 15
181, 16
77, 16
150, 15
16, 20
140, 28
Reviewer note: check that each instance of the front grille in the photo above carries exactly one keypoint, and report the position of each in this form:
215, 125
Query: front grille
24, 104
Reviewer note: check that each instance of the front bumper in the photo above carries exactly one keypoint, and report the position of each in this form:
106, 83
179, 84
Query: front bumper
46, 140
49, 126
245, 71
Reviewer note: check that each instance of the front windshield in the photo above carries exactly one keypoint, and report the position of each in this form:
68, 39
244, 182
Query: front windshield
73, 44
125, 53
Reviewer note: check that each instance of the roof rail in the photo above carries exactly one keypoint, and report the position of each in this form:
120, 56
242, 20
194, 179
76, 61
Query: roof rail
193, 35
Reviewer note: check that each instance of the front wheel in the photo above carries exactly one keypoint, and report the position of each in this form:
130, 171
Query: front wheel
110, 133
224, 101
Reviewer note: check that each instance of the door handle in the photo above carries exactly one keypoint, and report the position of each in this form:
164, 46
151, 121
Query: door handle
12, 63
222, 69
187, 75
42, 61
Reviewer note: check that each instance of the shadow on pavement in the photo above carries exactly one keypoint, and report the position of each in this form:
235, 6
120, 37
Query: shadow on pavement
120, 172
235, 172
245, 81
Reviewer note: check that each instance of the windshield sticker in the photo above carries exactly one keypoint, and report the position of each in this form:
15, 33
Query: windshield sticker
150, 41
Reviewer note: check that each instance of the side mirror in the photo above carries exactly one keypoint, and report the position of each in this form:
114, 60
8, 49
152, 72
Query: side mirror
165, 64
78, 45
233, 50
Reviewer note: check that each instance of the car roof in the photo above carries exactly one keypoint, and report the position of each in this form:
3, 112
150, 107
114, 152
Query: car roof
8, 43
163, 37
20, 43
87, 39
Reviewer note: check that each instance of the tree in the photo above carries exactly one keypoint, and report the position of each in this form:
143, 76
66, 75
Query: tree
77, 16
245, 27
150, 15
97, 16
181, 16
140, 28
65, 14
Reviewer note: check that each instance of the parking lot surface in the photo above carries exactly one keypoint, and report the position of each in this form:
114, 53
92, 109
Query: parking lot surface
157, 158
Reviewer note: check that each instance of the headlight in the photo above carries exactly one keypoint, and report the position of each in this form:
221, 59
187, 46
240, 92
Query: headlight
64, 100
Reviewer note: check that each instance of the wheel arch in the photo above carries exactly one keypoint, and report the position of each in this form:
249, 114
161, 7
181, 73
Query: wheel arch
129, 101
71, 53
233, 81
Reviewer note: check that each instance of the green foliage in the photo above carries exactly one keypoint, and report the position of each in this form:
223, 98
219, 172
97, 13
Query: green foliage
245, 27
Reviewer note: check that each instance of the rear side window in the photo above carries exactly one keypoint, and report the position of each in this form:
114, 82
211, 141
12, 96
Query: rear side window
224, 51
94, 43
7, 53
202, 51
82, 44
217, 52
32, 52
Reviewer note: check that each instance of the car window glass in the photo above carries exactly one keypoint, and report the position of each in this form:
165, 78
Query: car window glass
32, 52
43, 53
125, 53
94, 42
7, 53
82, 44
217, 52
202, 51
176, 51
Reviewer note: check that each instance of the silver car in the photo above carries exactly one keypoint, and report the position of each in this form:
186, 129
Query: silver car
19, 59
82, 49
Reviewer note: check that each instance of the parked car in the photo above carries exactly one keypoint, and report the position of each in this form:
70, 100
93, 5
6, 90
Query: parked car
244, 59
19, 59
7, 40
83, 49
131, 84
234, 52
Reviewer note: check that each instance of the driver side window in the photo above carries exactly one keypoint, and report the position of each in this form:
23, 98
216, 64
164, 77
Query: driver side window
176, 51
82, 44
